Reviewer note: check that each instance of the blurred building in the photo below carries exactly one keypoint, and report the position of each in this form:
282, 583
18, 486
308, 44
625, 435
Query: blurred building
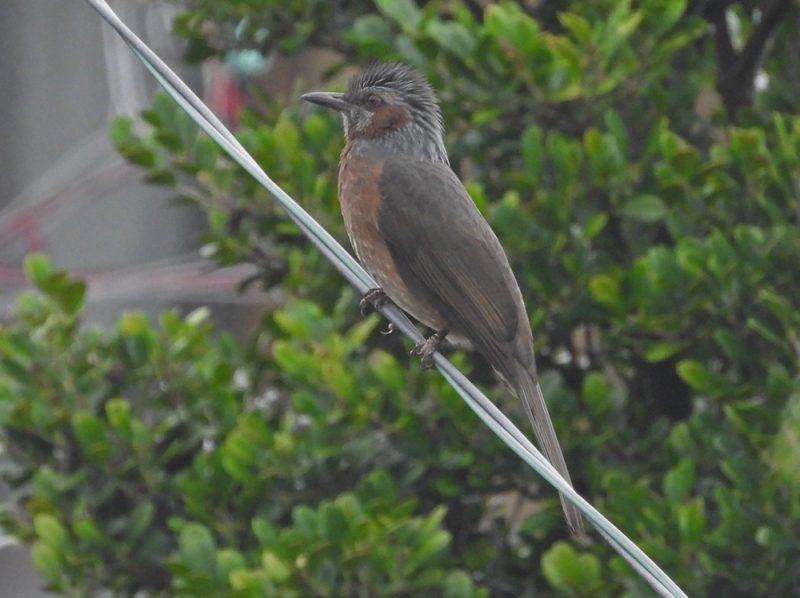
64, 190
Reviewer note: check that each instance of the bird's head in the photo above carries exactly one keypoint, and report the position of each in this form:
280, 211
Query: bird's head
392, 105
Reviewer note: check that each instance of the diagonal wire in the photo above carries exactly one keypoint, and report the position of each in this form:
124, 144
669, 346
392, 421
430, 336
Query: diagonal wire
355, 274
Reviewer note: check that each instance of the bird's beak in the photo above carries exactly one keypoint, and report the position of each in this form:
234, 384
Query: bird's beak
328, 99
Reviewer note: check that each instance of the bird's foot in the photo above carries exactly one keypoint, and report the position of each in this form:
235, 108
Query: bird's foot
428, 347
372, 298
389, 329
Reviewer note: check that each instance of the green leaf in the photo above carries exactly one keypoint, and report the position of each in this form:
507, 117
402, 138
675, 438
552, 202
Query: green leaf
333, 523
458, 584
301, 319
139, 521
645, 208
595, 224
118, 412
198, 316
403, 12
434, 543
664, 14
695, 374
139, 155
447, 486
733, 344
293, 360
663, 350
616, 127
568, 571
784, 454
72, 297
161, 176
275, 568
508, 24
251, 583
265, 532
206, 153
47, 561
371, 29
38, 268
596, 392
605, 290
768, 537
67, 293
90, 434
692, 520
483, 116
51, 532
197, 548
120, 131
679, 480
88, 531
453, 37
532, 145
229, 561
133, 324
581, 29
761, 327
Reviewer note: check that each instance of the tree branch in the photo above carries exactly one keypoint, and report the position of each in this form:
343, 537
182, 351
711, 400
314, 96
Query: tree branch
737, 71
725, 52
754, 48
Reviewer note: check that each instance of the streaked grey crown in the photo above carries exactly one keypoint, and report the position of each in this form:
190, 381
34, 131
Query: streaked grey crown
407, 86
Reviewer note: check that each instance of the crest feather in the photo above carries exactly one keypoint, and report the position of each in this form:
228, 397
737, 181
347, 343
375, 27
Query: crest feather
405, 81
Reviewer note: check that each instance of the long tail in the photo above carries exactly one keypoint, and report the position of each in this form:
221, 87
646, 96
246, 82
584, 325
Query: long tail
527, 388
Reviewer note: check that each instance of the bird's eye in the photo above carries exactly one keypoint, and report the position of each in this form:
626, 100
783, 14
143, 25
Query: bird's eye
373, 101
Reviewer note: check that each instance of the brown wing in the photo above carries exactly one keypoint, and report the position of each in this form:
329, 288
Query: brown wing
443, 246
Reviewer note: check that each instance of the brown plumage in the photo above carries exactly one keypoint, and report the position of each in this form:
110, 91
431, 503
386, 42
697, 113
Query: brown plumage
419, 234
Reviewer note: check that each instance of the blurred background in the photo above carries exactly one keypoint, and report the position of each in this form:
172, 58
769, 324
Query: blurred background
638, 159
65, 191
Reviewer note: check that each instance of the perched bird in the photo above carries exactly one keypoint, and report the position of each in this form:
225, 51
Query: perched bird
416, 230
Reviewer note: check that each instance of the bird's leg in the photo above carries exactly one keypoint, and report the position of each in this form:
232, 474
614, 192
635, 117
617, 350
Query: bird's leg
428, 347
372, 298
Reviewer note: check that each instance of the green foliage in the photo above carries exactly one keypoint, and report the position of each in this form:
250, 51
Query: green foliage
166, 459
655, 235
571, 573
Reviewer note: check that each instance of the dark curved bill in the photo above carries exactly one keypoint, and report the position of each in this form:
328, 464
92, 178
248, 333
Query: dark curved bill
328, 99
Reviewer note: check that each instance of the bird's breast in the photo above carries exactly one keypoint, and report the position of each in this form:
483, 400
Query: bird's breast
360, 199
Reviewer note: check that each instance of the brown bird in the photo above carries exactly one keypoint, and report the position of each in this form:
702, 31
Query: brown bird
416, 230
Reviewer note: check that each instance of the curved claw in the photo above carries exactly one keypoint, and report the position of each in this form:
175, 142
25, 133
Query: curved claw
428, 347
372, 298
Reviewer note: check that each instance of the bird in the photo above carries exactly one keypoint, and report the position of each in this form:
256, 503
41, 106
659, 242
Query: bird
416, 230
